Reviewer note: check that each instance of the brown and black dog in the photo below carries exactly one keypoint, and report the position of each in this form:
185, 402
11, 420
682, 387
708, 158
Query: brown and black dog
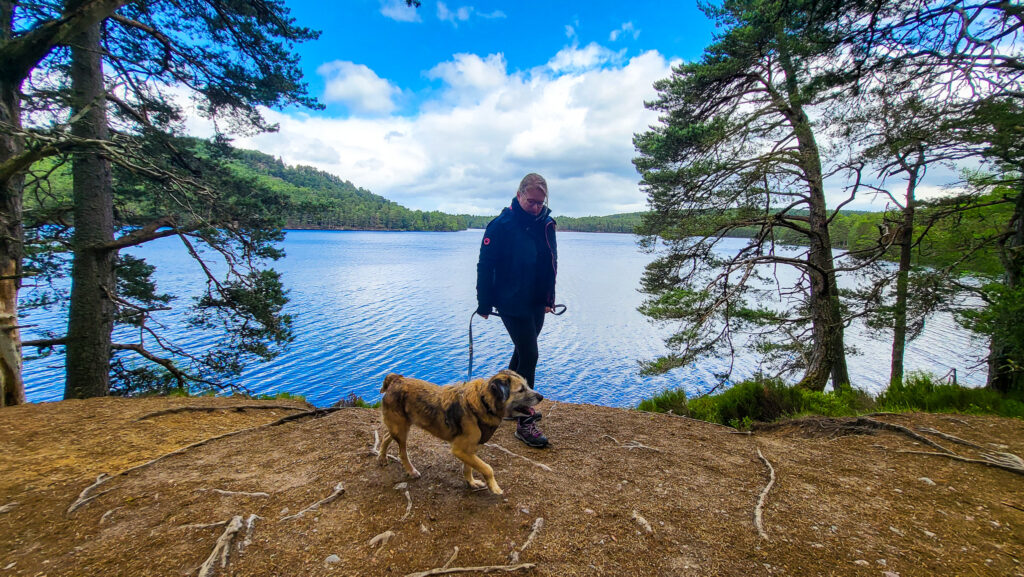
465, 415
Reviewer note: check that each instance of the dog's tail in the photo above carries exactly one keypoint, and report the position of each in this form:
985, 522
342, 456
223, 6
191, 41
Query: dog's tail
388, 380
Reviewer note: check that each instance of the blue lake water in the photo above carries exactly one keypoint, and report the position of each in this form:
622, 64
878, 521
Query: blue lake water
369, 303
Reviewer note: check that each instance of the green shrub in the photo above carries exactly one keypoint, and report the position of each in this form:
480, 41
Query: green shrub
281, 396
923, 392
354, 400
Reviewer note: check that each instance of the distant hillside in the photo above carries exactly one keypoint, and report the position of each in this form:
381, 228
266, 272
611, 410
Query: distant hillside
323, 201
625, 222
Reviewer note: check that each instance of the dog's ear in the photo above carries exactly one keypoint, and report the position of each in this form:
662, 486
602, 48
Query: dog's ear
500, 384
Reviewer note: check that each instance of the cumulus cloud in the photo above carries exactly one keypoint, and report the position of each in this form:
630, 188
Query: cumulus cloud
399, 10
465, 151
357, 87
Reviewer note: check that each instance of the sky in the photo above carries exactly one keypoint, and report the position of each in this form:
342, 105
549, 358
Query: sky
447, 106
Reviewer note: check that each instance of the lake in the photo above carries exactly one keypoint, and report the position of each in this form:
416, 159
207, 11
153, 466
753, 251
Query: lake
369, 303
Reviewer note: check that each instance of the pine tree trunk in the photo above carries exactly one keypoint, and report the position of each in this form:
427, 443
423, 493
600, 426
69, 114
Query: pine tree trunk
12, 388
91, 312
828, 356
905, 240
1006, 366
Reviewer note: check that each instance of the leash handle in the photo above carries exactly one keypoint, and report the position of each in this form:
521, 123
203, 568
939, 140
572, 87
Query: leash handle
555, 310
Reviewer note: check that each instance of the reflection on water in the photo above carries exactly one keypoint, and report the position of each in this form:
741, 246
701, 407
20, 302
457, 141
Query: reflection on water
369, 303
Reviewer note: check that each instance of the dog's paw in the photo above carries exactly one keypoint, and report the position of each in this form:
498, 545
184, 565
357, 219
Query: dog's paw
477, 484
497, 490
414, 474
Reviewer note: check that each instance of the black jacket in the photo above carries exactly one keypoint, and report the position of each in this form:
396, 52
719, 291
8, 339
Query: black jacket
518, 263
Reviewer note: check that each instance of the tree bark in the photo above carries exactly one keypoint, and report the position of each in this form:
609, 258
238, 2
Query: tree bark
905, 239
91, 311
12, 388
1005, 365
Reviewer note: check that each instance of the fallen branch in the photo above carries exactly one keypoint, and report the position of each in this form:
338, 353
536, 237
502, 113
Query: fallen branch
531, 461
103, 478
949, 437
238, 408
484, 569
237, 493
1005, 461
84, 496
764, 494
1007, 503
514, 556
339, 490
222, 549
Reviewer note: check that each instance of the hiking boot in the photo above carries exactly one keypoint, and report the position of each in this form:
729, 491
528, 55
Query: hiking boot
527, 432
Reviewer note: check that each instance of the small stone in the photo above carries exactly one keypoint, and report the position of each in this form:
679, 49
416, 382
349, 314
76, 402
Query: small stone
926, 480
817, 546
423, 528
833, 528
401, 486
928, 533
589, 512
332, 559
284, 511
881, 562
895, 530
524, 511
900, 491
862, 563
995, 524
890, 574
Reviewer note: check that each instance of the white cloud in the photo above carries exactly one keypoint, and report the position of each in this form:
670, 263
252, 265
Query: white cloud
463, 13
626, 28
357, 87
593, 55
467, 148
399, 10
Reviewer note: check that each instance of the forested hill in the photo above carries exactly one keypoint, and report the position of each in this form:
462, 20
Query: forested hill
324, 201
625, 222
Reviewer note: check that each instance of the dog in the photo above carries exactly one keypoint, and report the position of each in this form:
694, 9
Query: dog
466, 415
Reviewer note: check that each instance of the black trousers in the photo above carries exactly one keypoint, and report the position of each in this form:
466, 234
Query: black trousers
524, 331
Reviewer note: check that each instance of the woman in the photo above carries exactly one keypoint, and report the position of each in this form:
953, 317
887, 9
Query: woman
516, 276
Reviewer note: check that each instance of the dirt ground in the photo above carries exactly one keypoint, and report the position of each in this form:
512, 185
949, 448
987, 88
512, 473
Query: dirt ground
620, 493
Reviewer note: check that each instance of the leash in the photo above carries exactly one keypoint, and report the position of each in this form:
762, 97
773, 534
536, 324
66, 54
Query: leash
557, 310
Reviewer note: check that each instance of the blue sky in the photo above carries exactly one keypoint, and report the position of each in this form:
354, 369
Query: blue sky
447, 106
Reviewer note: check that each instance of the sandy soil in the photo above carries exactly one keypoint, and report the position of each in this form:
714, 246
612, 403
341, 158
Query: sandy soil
620, 493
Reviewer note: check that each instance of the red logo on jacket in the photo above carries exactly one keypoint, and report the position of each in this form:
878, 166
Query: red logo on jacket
487, 241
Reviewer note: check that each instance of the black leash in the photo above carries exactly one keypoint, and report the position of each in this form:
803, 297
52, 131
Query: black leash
556, 310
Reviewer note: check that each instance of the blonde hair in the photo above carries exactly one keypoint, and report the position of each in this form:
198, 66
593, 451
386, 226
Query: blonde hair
533, 180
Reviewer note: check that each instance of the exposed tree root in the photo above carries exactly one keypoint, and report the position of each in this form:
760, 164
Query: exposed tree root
408, 506
9, 507
248, 531
237, 493
531, 461
339, 490
840, 427
238, 408
1004, 461
537, 525
375, 451
764, 494
84, 497
1007, 503
222, 549
382, 539
951, 438
451, 559
631, 444
484, 569
200, 526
